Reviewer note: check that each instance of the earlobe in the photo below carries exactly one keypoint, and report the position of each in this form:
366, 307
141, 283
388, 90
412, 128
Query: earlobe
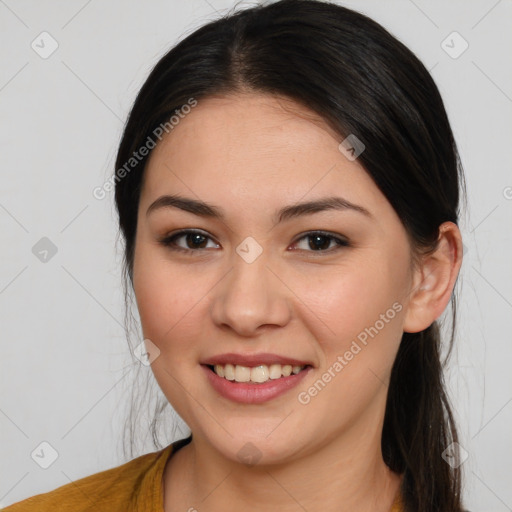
434, 280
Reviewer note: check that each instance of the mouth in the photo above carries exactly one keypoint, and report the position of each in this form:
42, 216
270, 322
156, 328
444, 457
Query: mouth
259, 374
255, 381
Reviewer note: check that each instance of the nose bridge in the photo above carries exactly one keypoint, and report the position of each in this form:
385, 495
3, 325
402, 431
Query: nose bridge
250, 295
250, 278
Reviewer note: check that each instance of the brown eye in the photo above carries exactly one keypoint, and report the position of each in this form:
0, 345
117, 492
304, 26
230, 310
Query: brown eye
319, 241
192, 241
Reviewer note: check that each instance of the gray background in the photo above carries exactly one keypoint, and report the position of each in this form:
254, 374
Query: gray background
65, 366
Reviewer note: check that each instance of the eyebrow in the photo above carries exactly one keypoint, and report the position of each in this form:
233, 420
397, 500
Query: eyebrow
203, 209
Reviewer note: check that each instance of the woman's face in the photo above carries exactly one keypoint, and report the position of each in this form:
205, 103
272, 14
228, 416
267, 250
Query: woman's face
256, 290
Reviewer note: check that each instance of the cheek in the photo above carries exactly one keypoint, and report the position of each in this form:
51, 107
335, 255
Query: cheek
167, 298
363, 313
169, 302
352, 298
359, 314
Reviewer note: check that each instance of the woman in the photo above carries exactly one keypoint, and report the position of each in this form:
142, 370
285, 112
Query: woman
288, 189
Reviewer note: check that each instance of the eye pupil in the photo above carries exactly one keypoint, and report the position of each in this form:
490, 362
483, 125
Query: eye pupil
317, 242
198, 240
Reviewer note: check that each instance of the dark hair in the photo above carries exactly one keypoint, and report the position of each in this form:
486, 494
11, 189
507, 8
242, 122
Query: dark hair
361, 80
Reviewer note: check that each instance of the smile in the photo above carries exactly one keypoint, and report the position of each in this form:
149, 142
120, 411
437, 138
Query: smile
257, 374
254, 384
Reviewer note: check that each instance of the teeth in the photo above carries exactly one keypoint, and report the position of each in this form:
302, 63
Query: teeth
242, 374
229, 372
275, 371
287, 370
257, 374
260, 374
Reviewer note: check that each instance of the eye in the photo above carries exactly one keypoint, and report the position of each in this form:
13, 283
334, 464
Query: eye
196, 241
320, 241
193, 241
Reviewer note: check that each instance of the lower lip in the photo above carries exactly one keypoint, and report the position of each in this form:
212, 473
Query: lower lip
251, 393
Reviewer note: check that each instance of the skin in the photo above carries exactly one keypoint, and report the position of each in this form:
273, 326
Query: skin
250, 155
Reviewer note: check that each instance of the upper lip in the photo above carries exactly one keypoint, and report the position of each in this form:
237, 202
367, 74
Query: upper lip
253, 360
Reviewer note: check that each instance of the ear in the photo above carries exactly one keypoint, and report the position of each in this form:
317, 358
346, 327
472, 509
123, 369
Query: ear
434, 279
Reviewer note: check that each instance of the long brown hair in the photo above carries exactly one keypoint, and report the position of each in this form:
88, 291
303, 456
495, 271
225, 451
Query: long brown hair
361, 80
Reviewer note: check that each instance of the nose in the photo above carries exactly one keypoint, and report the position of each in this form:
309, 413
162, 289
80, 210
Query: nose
250, 299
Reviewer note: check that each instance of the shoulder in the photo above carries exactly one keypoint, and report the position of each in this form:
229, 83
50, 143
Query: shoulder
117, 489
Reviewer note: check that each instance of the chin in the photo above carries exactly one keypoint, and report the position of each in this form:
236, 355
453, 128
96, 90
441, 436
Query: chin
252, 444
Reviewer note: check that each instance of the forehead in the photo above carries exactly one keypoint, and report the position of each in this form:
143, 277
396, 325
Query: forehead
254, 148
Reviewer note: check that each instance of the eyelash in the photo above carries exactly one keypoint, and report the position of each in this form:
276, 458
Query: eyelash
169, 241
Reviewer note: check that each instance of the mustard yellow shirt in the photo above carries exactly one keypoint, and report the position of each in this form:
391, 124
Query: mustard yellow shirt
134, 486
